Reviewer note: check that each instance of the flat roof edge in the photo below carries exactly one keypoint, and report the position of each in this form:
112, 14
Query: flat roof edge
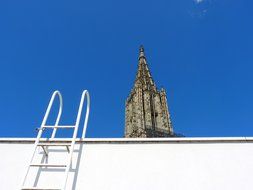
136, 140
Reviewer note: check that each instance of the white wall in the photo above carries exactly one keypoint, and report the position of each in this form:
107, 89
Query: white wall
124, 164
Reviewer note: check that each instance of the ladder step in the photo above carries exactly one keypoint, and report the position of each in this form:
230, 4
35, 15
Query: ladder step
54, 144
49, 165
38, 188
59, 126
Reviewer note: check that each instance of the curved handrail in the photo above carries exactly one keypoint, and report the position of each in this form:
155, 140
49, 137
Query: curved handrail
43, 125
84, 94
56, 93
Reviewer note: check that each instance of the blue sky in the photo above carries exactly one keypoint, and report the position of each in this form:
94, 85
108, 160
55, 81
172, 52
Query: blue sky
201, 52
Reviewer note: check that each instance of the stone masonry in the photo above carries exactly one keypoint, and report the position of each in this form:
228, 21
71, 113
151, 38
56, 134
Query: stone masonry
147, 113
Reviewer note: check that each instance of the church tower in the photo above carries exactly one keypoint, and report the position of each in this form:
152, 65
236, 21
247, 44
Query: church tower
147, 113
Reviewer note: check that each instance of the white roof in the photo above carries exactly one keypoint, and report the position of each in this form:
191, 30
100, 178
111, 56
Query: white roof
154, 163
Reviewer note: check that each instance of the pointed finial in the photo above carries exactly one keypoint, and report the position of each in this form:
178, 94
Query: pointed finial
141, 52
141, 48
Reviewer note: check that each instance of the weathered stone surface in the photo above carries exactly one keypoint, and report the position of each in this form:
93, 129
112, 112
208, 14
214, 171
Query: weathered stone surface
147, 113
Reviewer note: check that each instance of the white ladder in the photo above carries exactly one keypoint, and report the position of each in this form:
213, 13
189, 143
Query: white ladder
52, 142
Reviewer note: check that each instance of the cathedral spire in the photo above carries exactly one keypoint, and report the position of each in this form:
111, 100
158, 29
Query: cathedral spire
143, 77
147, 112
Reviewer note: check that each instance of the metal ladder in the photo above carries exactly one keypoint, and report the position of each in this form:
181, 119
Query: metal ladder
51, 142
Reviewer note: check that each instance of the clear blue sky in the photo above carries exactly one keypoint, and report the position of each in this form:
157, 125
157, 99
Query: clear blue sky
201, 52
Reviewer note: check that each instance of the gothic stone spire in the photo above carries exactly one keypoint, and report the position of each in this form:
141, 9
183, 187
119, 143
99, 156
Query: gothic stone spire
143, 77
147, 113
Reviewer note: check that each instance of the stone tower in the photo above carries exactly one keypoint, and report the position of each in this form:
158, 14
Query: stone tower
147, 113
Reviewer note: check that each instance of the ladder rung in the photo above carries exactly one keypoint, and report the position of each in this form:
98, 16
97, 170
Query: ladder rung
38, 188
60, 126
54, 144
49, 165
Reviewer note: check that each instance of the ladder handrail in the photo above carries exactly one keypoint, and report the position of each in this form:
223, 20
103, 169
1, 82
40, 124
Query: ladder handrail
84, 94
50, 105
44, 121
43, 124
